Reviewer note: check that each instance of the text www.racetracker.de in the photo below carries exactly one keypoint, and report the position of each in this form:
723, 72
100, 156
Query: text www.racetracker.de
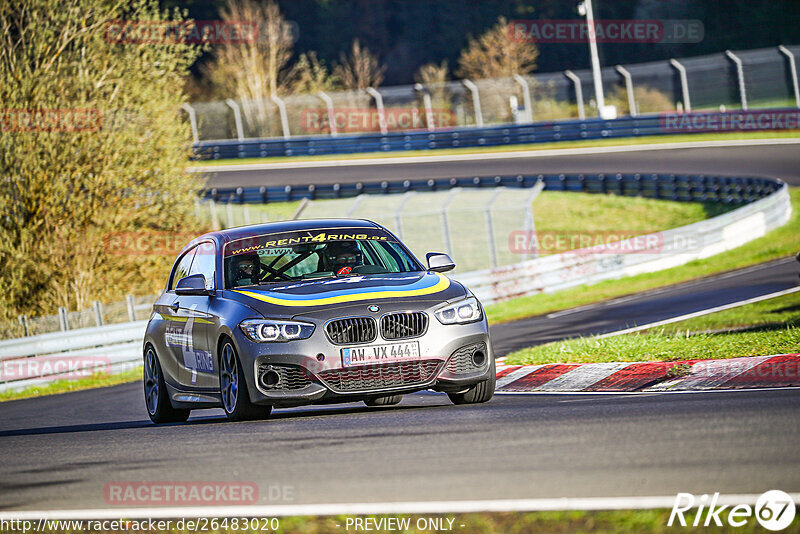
201, 524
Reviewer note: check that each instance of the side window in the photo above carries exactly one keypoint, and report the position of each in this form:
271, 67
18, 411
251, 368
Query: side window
205, 263
183, 268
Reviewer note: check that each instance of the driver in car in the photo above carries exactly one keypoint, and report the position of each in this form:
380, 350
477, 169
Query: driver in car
343, 256
245, 271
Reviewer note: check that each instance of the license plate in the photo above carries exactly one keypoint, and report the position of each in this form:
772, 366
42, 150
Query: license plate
372, 354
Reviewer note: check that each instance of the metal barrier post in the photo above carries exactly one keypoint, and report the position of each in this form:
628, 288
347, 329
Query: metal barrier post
578, 92
445, 226
371, 91
398, 217
476, 101
739, 77
629, 89
98, 313
426, 102
487, 212
687, 105
331, 115
284, 118
131, 308
237, 118
793, 70
62, 319
526, 95
192, 120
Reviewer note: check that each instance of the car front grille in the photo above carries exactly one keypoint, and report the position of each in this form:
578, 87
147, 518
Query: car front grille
352, 330
289, 377
403, 325
464, 359
374, 377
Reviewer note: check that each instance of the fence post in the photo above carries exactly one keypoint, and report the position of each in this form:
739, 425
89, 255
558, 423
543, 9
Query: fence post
793, 71
687, 105
578, 92
23, 320
237, 118
739, 77
398, 217
192, 120
487, 212
530, 224
331, 115
62, 319
284, 118
212, 205
229, 213
371, 91
476, 101
354, 206
131, 308
98, 313
629, 89
526, 96
448, 244
426, 102
304, 202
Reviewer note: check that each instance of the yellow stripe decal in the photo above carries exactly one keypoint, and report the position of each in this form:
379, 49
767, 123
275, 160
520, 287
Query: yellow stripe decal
441, 285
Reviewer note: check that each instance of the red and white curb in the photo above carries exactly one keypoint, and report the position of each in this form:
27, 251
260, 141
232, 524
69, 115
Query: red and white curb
781, 370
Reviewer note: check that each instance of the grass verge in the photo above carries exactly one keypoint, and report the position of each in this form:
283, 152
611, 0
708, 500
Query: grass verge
656, 139
97, 380
760, 329
779, 243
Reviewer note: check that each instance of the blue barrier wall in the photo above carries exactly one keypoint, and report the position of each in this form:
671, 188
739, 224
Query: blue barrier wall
544, 132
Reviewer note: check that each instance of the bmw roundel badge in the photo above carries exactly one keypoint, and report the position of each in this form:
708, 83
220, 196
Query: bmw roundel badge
373, 308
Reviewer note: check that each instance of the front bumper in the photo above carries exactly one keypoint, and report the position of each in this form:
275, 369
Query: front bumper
452, 358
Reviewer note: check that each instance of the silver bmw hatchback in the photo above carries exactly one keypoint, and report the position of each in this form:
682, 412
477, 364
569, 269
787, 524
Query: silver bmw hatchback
310, 312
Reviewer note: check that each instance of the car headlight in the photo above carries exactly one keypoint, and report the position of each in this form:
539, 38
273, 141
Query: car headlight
269, 330
463, 311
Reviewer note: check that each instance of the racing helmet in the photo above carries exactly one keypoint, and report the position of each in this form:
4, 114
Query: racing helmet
343, 256
245, 270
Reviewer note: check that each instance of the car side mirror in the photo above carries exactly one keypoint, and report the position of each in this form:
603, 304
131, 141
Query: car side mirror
192, 285
439, 262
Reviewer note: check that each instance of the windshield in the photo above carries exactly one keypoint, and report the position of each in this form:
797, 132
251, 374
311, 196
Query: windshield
311, 254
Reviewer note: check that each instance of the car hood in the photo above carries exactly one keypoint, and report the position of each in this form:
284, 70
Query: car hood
386, 290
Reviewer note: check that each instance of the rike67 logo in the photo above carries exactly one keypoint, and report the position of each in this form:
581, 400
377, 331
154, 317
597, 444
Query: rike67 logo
774, 510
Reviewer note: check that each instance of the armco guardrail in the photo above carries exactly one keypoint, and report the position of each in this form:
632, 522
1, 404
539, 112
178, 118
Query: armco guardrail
511, 134
33, 360
642, 254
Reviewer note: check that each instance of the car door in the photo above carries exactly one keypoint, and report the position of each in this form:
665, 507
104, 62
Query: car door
200, 359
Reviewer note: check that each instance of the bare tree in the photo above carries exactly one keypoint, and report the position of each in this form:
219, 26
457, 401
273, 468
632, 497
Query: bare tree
497, 54
360, 69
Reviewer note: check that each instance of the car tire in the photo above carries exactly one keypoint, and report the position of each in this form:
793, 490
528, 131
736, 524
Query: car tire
233, 388
156, 399
483, 391
390, 400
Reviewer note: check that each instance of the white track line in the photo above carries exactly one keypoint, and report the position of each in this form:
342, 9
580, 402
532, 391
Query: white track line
421, 507
700, 313
401, 160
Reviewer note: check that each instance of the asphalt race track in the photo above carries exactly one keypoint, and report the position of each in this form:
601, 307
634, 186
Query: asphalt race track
777, 161
61, 451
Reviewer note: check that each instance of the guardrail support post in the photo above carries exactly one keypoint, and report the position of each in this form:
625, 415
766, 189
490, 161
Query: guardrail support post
526, 95
793, 70
192, 120
131, 308
371, 91
398, 213
426, 102
739, 76
628, 89
578, 92
284, 117
687, 105
331, 115
237, 118
23, 320
98, 313
62, 319
487, 212
476, 101
448, 244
